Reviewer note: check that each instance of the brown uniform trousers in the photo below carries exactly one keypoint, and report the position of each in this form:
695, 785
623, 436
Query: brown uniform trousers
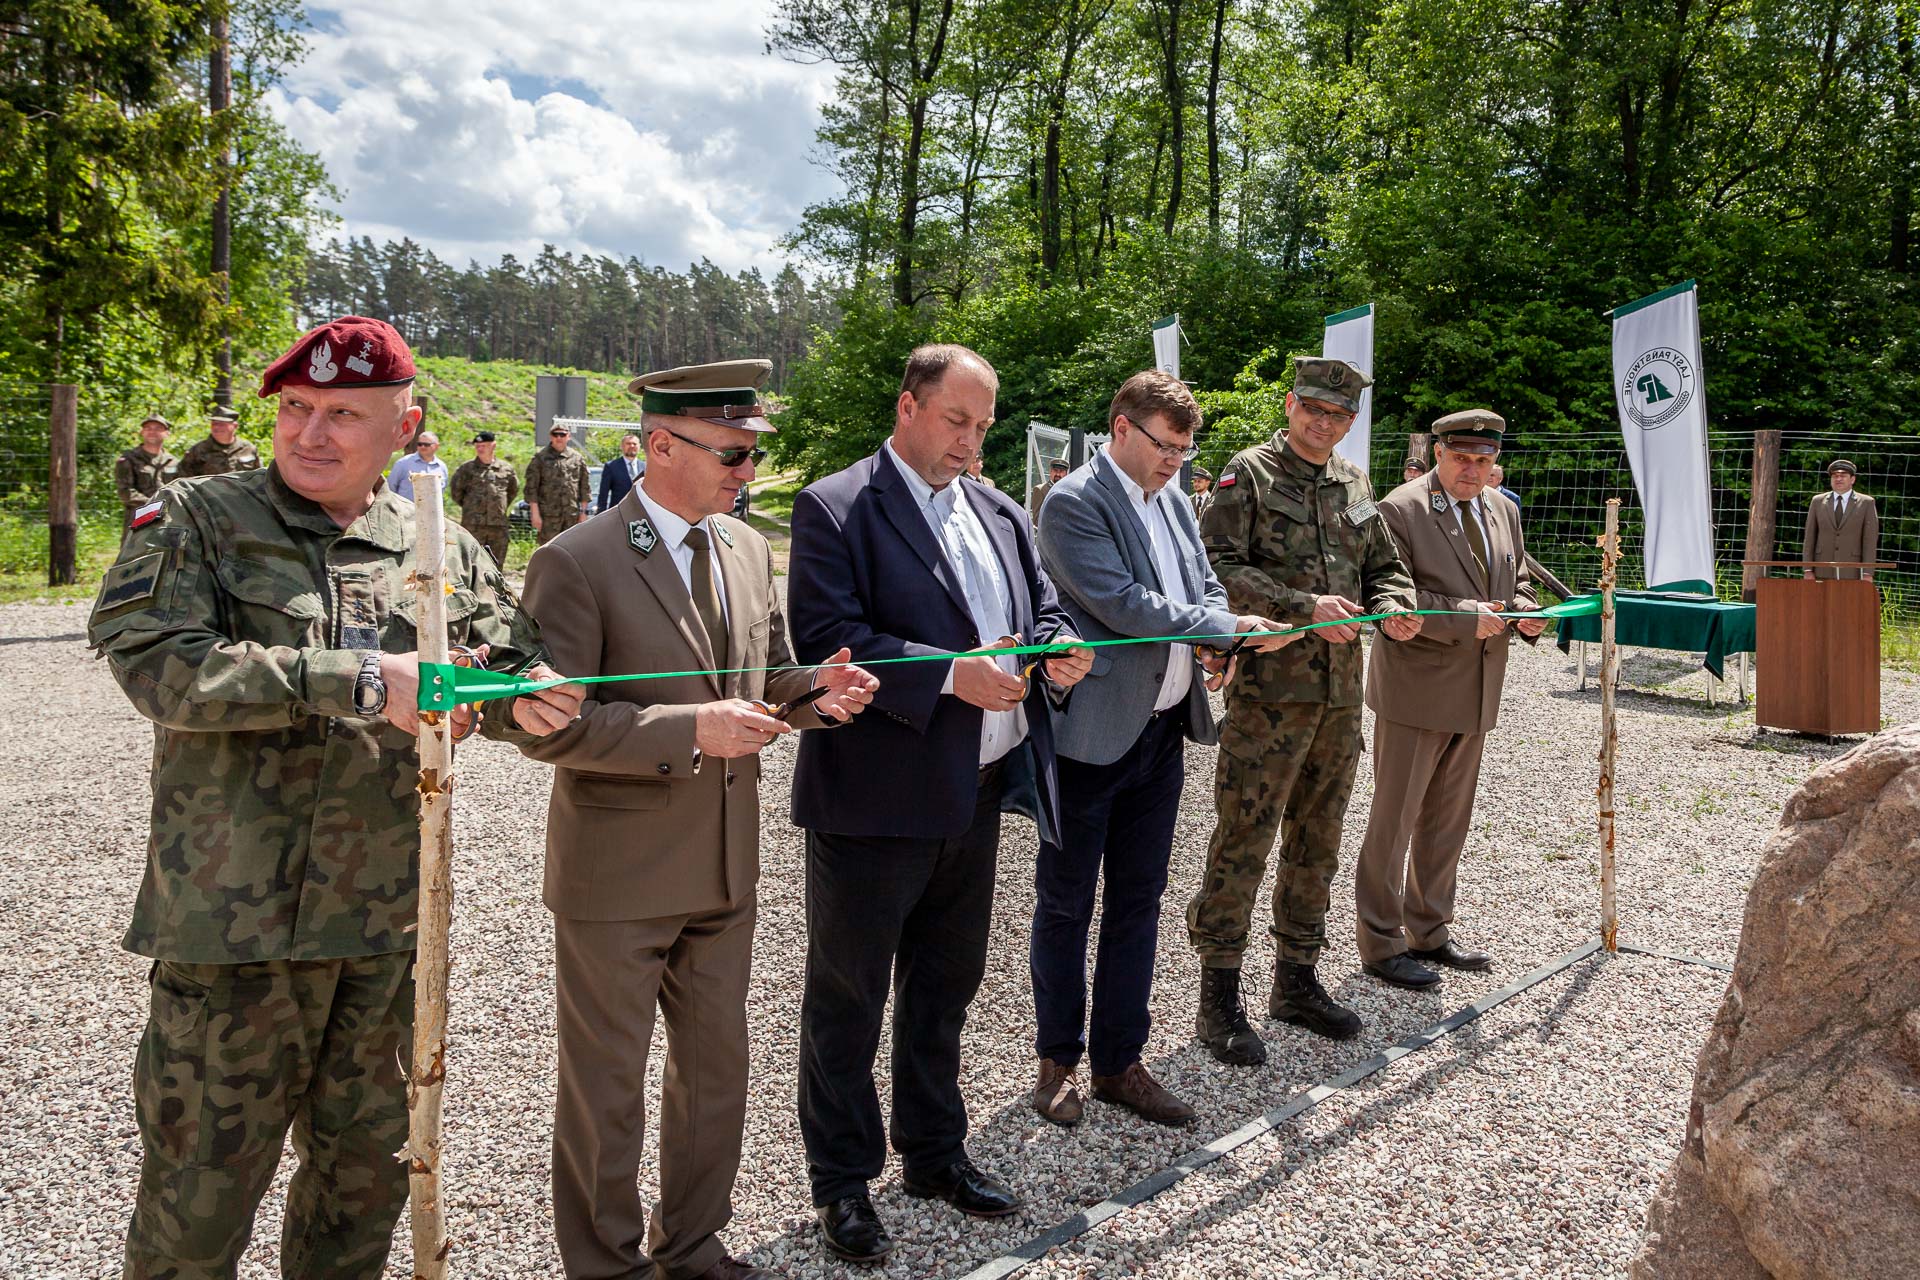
1434, 699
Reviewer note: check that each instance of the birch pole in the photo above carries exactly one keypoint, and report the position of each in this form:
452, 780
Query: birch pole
430, 1243
1609, 734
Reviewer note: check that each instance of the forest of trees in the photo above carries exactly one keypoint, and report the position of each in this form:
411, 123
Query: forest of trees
1042, 178
582, 312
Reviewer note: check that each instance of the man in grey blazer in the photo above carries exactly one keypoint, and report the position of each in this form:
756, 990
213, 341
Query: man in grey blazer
1124, 553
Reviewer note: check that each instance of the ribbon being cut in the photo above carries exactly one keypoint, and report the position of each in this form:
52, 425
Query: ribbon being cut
444, 686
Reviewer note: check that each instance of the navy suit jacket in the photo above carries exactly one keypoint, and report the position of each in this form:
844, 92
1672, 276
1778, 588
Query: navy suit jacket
614, 482
867, 573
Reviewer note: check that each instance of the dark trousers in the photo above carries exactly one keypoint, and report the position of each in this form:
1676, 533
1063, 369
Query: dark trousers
1122, 815
916, 910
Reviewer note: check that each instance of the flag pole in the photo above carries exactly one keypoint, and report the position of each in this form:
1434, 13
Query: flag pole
430, 1243
1609, 734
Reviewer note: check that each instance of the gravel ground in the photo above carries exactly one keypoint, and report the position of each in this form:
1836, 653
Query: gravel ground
1527, 1142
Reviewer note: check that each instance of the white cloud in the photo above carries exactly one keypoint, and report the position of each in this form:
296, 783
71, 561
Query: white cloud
649, 128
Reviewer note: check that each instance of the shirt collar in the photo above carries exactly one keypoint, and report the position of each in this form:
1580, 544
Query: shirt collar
1135, 493
921, 490
671, 528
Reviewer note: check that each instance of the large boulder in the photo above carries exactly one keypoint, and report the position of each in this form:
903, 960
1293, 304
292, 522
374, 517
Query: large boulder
1802, 1153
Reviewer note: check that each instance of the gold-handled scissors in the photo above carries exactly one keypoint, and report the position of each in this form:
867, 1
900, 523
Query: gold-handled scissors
459, 655
785, 710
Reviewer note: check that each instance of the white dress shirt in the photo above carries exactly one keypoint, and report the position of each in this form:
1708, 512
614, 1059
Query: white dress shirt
1157, 523
673, 536
983, 581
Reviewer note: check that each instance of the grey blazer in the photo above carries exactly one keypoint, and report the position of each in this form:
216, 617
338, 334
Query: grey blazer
1094, 547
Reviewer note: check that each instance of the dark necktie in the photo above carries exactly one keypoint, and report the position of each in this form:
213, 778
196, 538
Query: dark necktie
1476, 543
706, 598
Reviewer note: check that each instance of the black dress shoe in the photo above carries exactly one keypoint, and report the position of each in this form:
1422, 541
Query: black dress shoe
967, 1189
1403, 971
852, 1229
1449, 954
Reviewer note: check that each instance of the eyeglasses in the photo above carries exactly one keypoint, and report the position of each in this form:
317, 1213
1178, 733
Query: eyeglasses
1186, 453
1337, 417
728, 457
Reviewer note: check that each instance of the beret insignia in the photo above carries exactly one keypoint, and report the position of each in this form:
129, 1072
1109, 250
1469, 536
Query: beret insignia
1336, 376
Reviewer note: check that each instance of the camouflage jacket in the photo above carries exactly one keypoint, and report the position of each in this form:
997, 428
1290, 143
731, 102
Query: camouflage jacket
485, 491
284, 825
1280, 531
211, 458
138, 475
557, 484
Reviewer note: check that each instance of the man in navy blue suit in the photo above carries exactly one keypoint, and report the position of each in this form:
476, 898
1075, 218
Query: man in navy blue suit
893, 558
619, 474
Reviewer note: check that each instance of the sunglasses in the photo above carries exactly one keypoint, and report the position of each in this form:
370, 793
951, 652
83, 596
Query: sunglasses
785, 710
728, 457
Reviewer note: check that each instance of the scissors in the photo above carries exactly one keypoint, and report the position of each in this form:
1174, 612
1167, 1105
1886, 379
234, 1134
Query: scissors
1036, 662
785, 710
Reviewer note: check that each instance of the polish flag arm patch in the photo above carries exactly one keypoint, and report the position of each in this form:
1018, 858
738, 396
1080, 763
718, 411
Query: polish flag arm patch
147, 515
1227, 481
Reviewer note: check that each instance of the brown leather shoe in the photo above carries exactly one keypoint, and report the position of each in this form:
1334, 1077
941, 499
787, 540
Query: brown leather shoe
1141, 1094
1057, 1097
734, 1269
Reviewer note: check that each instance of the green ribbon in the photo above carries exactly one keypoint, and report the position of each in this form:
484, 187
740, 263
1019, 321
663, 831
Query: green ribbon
444, 686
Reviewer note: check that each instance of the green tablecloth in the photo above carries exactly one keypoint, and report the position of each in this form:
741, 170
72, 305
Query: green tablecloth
1655, 620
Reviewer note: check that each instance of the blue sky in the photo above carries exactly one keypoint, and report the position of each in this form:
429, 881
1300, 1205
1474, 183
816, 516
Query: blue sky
477, 127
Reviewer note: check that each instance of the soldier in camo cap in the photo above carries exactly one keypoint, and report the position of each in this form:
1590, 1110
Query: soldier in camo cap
263, 622
223, 450
1293, 535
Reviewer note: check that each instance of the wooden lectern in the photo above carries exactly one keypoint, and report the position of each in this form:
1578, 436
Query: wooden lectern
1817, 650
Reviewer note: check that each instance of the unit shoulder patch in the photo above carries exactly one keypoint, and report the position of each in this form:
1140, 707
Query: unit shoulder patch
1227, 481
131, 581
146, 515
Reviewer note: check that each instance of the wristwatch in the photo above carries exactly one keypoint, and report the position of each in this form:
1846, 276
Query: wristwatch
369, 690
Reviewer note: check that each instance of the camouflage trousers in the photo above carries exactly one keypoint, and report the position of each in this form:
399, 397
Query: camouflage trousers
234, 1055
552, 527
491, 536
1277, 759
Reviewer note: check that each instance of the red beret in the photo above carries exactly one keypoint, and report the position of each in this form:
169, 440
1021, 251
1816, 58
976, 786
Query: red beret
352, 351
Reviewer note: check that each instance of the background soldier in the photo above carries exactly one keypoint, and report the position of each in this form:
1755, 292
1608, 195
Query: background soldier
558, 486
223, 451
1293, 534
279, 917
485, 488
1202, 490
1841, 525
140, 471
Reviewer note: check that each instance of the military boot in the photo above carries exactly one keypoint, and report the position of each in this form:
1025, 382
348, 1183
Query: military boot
1299, 998
1222, 1025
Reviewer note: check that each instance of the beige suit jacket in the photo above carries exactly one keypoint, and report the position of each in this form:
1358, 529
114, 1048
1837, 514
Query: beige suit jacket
638, 825
1443, 679
1829, 538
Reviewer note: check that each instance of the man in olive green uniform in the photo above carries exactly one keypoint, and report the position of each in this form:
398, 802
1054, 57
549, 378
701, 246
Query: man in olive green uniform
140, 471
485, 488
263, 623
223, 451
1293, 535
559, 486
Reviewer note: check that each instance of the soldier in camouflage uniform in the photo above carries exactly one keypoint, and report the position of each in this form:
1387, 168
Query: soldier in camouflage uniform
1293, 534
559, 486
265, 626
140, 471
223, 451
485, 488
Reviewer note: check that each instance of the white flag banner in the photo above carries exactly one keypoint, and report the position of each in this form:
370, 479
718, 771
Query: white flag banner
1166, 344
1350, 338
1661, 395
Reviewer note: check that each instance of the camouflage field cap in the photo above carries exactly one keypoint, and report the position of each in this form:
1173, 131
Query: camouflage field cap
725, 393
1462, 429
1333, 381
157, 420
1841, 464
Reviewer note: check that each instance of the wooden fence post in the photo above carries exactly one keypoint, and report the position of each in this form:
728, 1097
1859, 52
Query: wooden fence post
63, 532
1762, 510
1420, 445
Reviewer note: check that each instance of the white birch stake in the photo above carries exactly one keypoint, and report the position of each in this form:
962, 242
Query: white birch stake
430, 1243
1609, 675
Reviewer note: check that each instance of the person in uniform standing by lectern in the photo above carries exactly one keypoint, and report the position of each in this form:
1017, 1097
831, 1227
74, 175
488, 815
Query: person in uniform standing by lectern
1841, 525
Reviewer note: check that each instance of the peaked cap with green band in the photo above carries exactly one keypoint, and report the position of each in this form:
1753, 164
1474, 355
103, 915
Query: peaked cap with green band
1333, 381
725, 393
1472, 424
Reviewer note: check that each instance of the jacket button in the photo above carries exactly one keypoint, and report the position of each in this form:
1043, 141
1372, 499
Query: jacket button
664, 768
729, 778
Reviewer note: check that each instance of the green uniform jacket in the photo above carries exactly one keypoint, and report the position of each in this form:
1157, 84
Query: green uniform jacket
284, 826
211, 458
484, 490
557, 483
1281, 531
138, 475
